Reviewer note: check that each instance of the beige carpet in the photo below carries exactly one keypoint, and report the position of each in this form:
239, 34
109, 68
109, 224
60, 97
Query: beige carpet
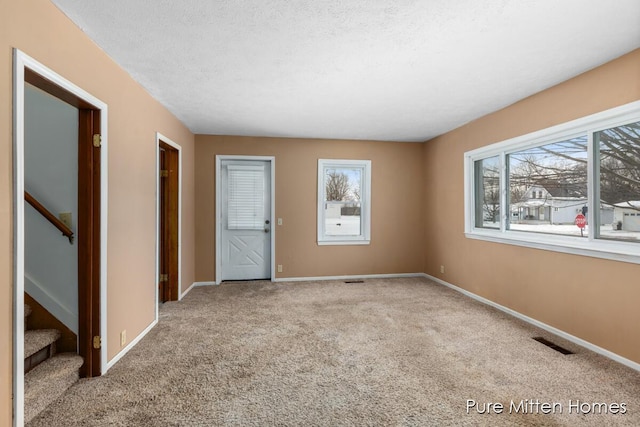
403, 352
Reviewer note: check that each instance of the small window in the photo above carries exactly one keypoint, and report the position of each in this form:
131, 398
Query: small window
344, 202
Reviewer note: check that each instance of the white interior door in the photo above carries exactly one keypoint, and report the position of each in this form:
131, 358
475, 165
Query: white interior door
246, 219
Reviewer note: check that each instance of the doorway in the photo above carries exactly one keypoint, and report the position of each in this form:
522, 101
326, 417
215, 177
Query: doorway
245, 241
169, 173
91, 209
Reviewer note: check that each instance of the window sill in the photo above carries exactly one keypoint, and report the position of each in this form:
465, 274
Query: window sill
605, 249
343, 242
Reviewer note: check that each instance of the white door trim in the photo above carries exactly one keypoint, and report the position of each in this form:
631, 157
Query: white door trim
161, 137
272, 161
20, 62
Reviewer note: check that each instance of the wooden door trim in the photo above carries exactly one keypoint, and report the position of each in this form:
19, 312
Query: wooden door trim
24, 70
175, 181
52, 88
169, 236
218, 209
88, 241
162, 225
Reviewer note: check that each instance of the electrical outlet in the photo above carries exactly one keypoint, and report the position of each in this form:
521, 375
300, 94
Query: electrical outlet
279, 268
123, 338
442, 269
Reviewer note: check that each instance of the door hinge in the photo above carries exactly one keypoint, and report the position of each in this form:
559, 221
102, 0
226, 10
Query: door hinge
164, 173
164, 277
97, 342
97, 140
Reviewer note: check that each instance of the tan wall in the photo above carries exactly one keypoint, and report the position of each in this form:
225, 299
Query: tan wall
396, 181
6, 231
591, 298
40, 30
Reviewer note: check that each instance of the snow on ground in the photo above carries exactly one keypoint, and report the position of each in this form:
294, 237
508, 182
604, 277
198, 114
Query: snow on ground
606, 231
343, 226
350, 226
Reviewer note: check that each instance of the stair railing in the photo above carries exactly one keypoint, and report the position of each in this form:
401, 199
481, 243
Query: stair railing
66, 231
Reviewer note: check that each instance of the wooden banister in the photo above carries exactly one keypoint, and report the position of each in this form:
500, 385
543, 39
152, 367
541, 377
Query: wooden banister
66, 231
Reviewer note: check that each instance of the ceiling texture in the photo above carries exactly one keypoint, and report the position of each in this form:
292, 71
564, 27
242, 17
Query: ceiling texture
400, 70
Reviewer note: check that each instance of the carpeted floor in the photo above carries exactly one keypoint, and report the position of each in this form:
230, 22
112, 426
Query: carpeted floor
403, 352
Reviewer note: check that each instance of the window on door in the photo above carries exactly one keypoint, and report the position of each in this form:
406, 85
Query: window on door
344, 202
245, 207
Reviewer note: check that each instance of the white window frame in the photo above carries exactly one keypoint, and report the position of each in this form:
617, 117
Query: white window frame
365, 202
590, 246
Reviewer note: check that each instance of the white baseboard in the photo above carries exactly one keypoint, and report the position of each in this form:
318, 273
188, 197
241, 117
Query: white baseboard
186, 292
137, 339
349, 277
193, 285
129, 346
51, 304
204, 284
579, 341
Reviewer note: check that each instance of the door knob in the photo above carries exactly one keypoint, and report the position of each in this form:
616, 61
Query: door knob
266, 230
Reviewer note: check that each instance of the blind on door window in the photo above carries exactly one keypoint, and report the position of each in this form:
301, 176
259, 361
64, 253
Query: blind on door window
245, 204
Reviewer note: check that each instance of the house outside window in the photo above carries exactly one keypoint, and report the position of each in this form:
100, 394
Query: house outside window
589, 166
344, 202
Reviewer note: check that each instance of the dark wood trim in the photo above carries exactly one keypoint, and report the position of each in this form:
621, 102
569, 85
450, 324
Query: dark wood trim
163, 289
88, 241
169, 198
88, 228
173, 222
96, 250
40, 318
40, 356
66, 231
51, 88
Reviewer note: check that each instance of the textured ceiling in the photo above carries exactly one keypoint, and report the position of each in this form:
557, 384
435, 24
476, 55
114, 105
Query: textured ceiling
404, 70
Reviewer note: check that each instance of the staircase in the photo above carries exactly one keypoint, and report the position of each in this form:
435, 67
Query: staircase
47, 374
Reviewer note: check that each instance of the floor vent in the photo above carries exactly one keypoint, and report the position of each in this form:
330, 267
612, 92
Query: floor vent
354, 281
553, 346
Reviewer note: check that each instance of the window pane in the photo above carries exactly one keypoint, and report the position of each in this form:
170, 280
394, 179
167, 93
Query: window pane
487, 181
245, 207
342, 201
548, 188
619, 183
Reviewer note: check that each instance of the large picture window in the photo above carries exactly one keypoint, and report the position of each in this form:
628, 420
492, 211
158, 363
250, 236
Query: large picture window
344, 198
573, 188
618, 180
544, 178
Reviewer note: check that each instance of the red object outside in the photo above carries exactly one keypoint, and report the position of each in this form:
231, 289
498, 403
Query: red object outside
581, 221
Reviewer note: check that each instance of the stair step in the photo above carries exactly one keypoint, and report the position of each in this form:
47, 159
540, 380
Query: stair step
38, 339
48, 381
